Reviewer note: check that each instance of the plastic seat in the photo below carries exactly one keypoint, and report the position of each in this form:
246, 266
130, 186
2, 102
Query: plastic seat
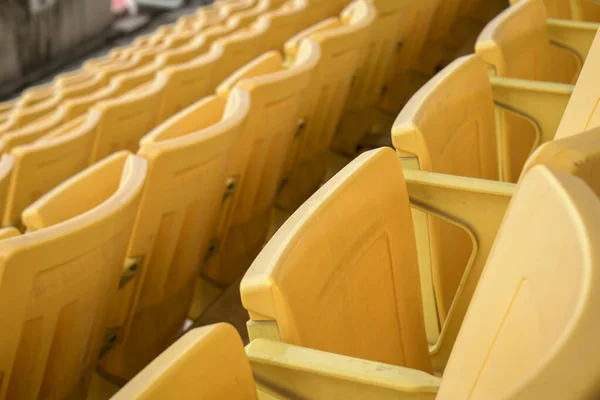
44, 164
518, 44
341, 41
213, 355
276, 92
359, 116
191, 81
583, 110
187, 159
348, 251
407, 73
446, 130
58, 278
506, 344
125, 120
238, 49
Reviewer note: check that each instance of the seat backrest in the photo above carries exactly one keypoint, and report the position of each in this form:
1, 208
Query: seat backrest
577, 155
42, 165
244, 18
7, 163
583, 111
276, 92
206, 363
187, 83
238, 48
516, 45
347, 251
125, 120
187, 168
341, 43
378, 51
57, 279
282, 24
33, 131
452, 131
514, 343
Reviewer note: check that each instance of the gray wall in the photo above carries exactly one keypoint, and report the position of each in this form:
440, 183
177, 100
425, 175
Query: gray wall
27, 41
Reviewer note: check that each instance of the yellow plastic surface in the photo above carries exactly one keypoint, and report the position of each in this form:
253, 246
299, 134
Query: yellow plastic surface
358, 118
406, 73
42, 165
578, 10
276, 92
53, 311
577, 155
6, 170
452, 131
583, 111
125, 120
206, 363
285, 371
187, 165
516, 44
341, 44
342, 275
514, 343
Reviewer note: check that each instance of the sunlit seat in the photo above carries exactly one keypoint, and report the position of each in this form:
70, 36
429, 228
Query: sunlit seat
59, 276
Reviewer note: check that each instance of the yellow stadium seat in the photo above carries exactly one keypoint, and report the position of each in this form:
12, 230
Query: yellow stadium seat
513, 343
518, 44
342, 275
187, 174
358, 119
448, 130
187, 83
341, 41
503, 331
43, 165
36, 94
276, 91
125, 120
238, 48
7, 106
583, 111
53, 311
206, 363
406, 73
245, 18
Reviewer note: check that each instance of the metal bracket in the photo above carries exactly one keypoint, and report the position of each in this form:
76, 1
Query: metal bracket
132, 266
212, 248
230, 188
110, 339
300, 127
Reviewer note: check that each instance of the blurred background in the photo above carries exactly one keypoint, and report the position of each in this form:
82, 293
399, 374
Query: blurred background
40, 38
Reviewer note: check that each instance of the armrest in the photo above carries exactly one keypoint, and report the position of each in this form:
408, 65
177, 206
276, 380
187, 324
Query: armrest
574, 35
297, 372
477, 205
542, 103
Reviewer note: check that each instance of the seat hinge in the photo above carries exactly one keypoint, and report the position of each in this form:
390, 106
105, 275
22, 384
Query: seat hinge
230, 188
110, 340
212, 249
130, 269
300, 127
284, 181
